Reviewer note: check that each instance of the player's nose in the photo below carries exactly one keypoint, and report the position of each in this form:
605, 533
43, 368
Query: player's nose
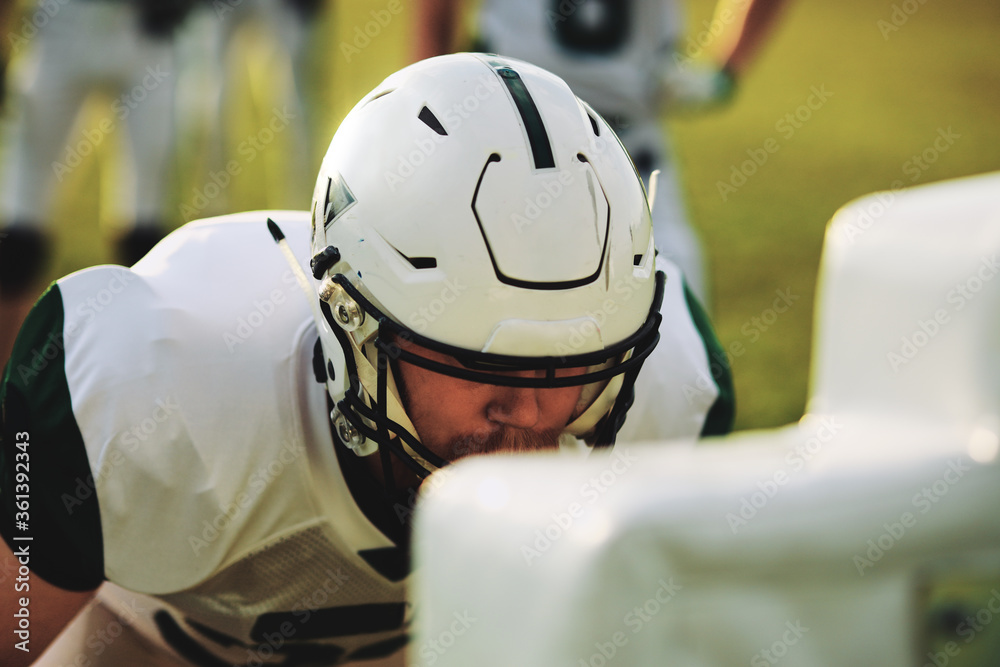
515, 406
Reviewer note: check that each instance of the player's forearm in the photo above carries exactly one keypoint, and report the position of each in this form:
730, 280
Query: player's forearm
436, 23
752, 24
34, 611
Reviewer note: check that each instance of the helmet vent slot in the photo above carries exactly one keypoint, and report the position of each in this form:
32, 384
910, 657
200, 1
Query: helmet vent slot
594, 125
379, 95
417, 262
431, 121
422, 262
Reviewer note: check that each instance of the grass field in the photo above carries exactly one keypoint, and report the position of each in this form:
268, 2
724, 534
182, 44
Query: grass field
888, 95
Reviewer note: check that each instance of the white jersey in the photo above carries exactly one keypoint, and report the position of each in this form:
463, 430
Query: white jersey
606, 50
205, 435
182, 449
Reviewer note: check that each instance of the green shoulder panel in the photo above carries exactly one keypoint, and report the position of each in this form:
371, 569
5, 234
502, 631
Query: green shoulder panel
46, 488
720, 417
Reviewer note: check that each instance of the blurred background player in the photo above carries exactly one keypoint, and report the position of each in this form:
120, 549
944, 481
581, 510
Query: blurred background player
176, 73
123, 50
271, 40
624, 58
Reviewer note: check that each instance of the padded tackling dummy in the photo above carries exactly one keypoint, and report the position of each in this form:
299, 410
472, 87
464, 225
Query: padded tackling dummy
866, 534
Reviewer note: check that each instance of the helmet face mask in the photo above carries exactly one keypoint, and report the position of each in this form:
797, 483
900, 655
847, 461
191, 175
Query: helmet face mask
367, 412
526, 265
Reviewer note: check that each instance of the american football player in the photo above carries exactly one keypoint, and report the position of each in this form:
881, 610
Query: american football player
228, 436
632, 61
207, 85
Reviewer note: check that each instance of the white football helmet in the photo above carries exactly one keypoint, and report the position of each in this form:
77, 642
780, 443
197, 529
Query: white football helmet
474, 205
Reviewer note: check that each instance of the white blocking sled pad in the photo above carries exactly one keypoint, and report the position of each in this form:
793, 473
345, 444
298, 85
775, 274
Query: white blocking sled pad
867, 534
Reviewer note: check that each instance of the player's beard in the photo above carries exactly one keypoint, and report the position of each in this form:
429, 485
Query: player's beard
505, 440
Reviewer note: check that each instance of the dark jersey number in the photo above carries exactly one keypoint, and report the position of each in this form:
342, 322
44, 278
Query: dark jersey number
287, 634
595, 27
293, 655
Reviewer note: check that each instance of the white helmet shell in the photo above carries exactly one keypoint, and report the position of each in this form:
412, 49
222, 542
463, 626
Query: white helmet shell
475, 201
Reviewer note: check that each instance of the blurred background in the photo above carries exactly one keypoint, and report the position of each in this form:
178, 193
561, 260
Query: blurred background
857, 95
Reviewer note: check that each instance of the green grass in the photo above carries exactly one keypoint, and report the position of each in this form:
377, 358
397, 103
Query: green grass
889, 98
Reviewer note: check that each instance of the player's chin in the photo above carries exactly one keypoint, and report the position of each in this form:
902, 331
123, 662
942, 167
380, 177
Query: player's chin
506, 440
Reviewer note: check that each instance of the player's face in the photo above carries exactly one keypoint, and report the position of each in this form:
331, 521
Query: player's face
456, 417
